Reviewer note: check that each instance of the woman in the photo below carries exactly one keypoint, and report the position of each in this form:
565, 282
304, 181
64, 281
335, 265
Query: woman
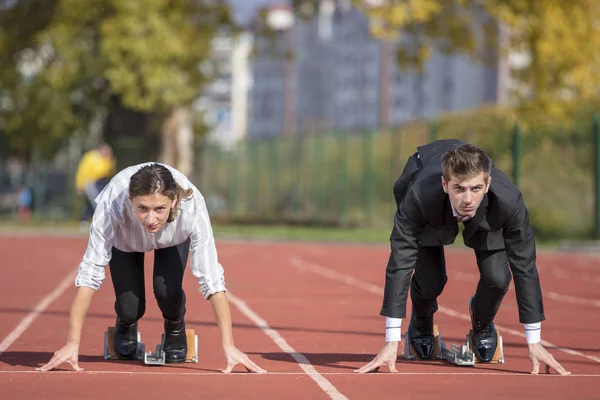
150, 207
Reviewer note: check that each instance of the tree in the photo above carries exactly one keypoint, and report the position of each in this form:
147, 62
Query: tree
64, 61
556, 40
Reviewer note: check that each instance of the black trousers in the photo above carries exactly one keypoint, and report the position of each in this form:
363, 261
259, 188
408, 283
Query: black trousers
127, 273
429, 279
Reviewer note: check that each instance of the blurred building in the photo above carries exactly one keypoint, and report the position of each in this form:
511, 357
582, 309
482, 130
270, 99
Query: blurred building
224, 102
329, 74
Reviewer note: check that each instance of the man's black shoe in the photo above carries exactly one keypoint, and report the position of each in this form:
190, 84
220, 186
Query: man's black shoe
485, 337
420, 333
126, 340
175, 345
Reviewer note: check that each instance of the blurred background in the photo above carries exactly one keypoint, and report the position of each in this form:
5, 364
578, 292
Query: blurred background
296, 117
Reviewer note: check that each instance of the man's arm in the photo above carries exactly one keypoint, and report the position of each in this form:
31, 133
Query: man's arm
408, 226
521, 252
520, 248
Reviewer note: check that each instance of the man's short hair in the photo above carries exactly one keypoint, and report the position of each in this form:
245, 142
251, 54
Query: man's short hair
465, 161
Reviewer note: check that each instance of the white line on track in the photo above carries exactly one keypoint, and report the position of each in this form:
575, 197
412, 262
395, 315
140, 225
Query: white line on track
468, 277
350, 280
302, 361
37, 311
178, 373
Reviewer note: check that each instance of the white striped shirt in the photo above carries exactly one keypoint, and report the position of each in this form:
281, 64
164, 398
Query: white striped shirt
115, 224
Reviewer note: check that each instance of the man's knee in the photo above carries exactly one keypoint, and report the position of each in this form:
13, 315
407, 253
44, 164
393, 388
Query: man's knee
497, 281
428, 289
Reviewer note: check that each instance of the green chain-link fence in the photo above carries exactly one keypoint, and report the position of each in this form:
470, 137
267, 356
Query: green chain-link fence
346, 179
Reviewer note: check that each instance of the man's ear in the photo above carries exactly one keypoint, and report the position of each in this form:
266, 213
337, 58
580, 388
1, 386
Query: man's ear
444, 185
489, 182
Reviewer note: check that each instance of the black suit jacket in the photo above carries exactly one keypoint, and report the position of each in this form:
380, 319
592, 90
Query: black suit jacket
424, 218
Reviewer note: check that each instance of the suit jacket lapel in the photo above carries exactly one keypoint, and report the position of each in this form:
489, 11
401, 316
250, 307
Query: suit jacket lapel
478, 220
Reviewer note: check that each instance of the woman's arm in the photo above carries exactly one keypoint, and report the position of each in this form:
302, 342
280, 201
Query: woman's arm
79, 309
220, 308
70, 351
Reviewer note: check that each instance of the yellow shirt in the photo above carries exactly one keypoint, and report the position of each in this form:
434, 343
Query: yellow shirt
92, 167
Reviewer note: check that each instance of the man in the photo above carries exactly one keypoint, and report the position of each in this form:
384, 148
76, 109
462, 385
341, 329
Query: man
444, 183
94, 171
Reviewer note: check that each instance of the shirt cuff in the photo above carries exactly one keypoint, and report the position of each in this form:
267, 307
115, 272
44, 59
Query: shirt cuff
393, 329
533, 332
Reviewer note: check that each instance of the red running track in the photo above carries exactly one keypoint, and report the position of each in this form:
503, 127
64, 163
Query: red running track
307, 313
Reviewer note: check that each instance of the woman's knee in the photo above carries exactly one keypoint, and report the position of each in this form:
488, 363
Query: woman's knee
165, 292
130, 309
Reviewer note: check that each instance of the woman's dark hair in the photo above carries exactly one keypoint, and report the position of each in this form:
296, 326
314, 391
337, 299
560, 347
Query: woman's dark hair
156, 178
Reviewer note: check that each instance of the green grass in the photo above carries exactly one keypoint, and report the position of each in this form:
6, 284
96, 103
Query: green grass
257, 232
301, 233
225, 231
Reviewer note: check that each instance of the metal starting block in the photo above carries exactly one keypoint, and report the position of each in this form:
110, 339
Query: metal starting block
156, 358
411, 354
465, 356
151, 357
498, 357
109, 345
458, 355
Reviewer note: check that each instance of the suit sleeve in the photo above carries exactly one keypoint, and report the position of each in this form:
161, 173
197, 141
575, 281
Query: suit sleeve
408, 225
520, 248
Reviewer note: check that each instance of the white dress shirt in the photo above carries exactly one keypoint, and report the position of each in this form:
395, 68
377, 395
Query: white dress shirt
115, 224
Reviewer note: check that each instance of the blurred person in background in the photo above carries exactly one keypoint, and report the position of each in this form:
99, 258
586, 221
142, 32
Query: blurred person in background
24, 203
95, 169
149, 207
445, 183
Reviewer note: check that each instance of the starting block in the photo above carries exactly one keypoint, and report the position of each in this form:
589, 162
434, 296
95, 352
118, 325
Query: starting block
465, 356
151, 357
158, 357
109, 345
411, 354
498, 357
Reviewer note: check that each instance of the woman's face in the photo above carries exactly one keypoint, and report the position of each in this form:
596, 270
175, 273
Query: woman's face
152, 210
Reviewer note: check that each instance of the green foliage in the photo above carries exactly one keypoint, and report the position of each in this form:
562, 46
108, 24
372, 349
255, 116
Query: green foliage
346, 179
558, 40
145, 53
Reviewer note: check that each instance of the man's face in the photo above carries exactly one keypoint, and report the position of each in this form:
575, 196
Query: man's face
466, 195
152, 211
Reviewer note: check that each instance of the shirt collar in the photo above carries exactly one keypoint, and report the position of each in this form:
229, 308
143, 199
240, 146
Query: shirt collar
458, 217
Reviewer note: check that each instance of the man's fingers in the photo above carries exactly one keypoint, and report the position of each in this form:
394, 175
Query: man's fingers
54, 362
75, 365
557, 367
369, 367
230, 365
392, 367
536, 366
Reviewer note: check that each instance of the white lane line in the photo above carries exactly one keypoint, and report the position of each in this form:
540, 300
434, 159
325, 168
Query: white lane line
581, 277
67, 282
564, 298
136, 373
571, 299
306, 366
337, 276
